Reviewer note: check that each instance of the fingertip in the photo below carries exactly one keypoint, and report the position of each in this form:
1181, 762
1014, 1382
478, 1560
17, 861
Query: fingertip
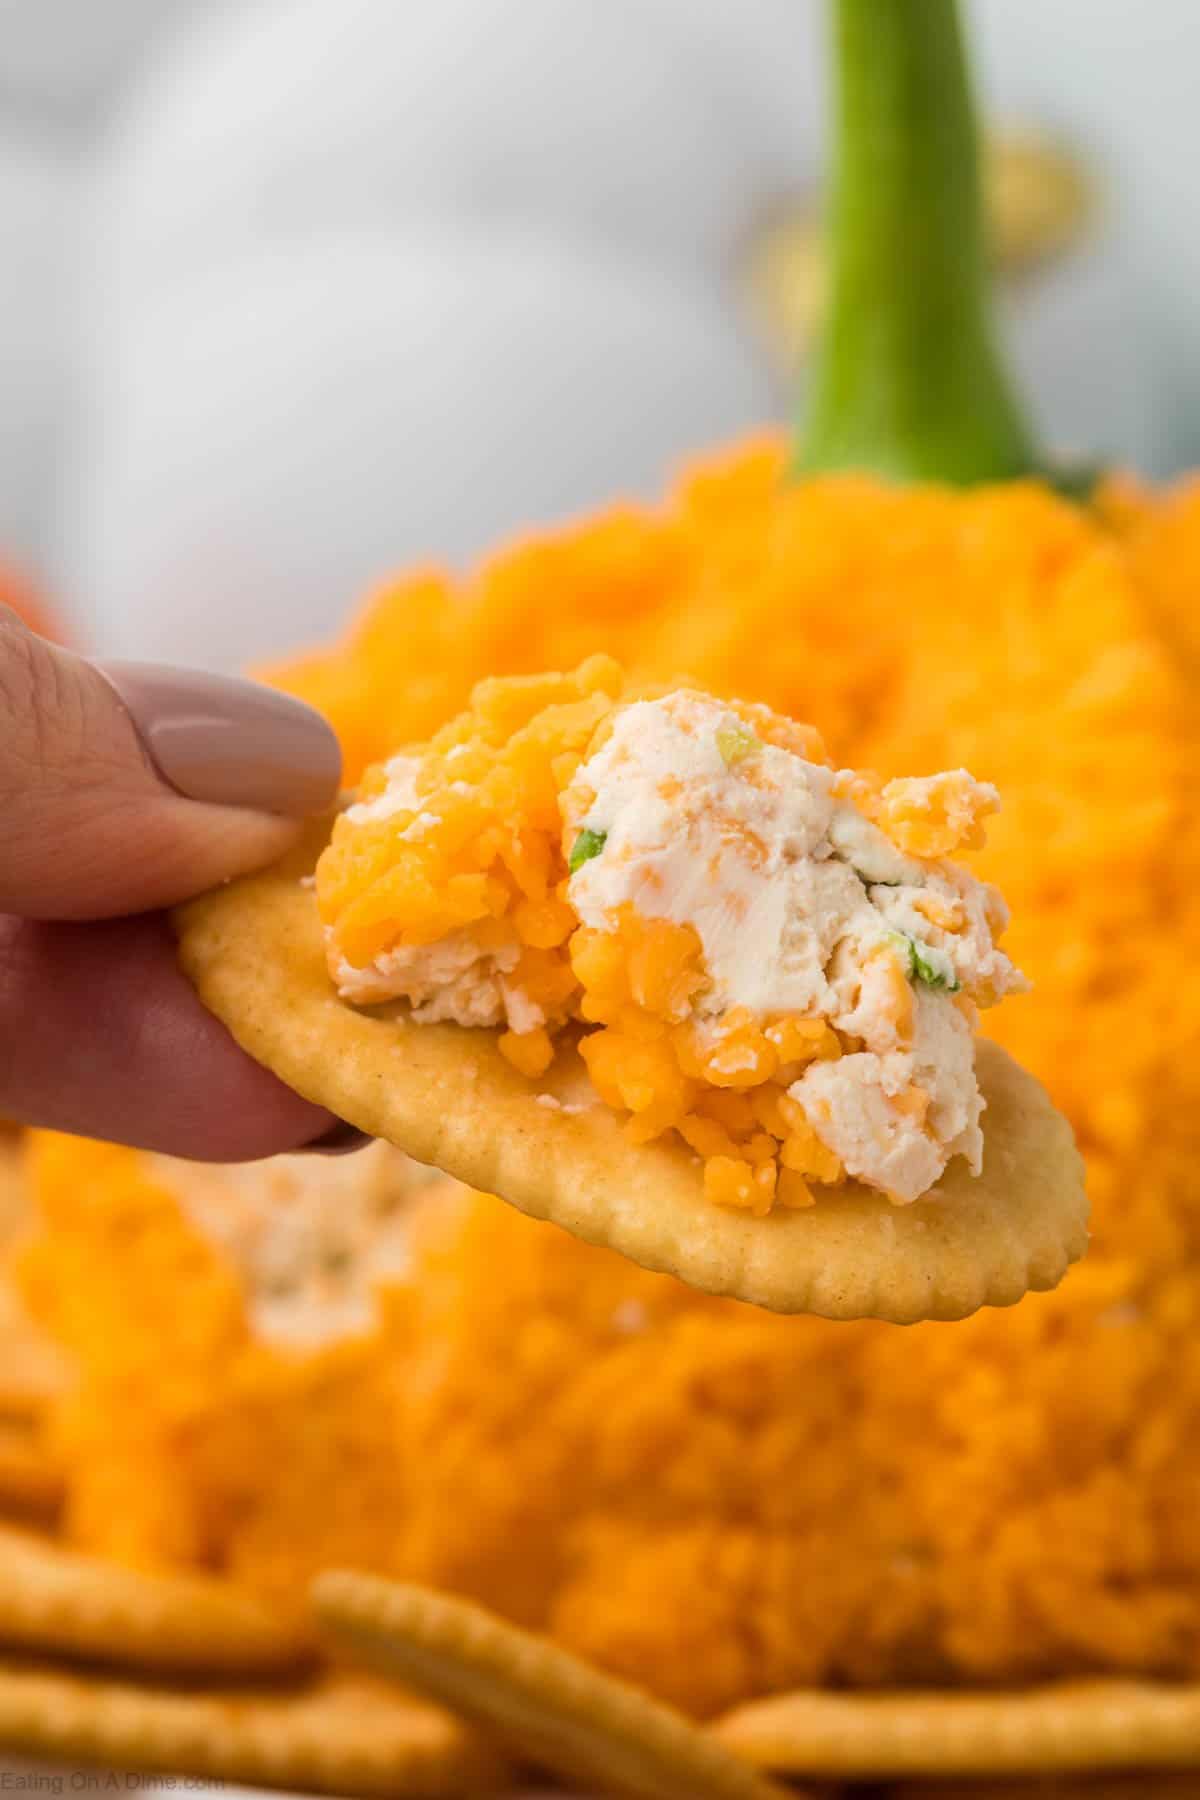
230, 742
127, 787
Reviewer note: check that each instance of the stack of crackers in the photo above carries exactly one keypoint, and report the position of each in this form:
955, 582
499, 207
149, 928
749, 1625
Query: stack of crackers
401, 1691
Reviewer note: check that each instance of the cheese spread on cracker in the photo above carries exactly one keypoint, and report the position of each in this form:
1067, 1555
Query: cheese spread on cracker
766, 956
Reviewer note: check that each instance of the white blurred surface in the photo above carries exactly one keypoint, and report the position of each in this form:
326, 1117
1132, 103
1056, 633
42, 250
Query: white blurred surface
592, 123
37, 193
281, 436
771, 55
69, 54
1084, 367
1118, 77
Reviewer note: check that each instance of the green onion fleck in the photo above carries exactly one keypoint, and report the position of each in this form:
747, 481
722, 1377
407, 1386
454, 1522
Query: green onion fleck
735, 744
586, 845
920, 965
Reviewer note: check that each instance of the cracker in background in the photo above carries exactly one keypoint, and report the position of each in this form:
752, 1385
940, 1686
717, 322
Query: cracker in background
570, 1718
59, 1601
337, 1735
447, 1096
1064, 1726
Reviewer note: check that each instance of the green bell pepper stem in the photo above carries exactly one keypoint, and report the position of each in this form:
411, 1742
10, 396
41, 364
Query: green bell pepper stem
908, 383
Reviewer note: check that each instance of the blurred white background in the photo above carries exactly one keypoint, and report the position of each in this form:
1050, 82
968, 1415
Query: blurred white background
295, 291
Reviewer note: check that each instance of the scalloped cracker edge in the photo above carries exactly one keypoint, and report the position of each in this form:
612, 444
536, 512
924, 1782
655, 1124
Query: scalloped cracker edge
62, 1602
445, 1095
570, 1718
340, 1735
1064, 1726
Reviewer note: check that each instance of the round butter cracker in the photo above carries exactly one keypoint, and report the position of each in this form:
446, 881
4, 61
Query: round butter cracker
57, 1601
1069, 1726
569, 1717
446, 1095
341, 1734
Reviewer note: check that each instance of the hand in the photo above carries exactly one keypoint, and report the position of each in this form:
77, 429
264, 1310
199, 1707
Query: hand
123, 790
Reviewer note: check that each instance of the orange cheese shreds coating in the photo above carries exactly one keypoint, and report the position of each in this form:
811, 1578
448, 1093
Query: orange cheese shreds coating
192, 1443
806, 1502
934, 818
713, 1501
490, 860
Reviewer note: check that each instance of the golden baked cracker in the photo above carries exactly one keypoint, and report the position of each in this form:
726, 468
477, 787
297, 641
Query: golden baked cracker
31, 1480
338, 1734
447, 1096
56, 1600
570, 1718
1062, 1726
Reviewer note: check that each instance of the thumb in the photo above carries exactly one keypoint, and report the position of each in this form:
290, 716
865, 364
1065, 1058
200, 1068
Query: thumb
127, 786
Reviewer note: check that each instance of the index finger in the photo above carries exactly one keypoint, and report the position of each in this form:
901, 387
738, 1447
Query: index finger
126, 789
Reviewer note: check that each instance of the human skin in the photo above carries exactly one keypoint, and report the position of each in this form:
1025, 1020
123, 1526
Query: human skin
122, 791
